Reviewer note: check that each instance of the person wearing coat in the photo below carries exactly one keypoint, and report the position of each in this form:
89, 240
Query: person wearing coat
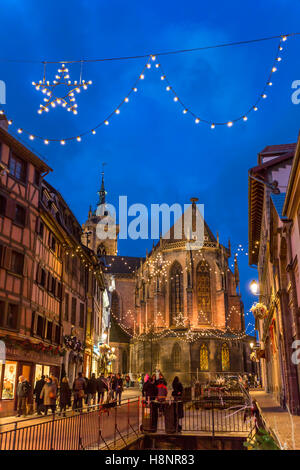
48, 394
91, 390
177, 394
79, 387
102, 386
37, 391
149, 388
65, 395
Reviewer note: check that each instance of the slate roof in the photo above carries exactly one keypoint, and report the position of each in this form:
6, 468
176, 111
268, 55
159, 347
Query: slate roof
278, 201
122, 264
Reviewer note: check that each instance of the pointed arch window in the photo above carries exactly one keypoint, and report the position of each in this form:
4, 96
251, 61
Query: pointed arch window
176, 291
176, 356
115, 305
203, 357
225, 358
203, 292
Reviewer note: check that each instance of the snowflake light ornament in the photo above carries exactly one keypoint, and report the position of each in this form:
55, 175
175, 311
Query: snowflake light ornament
49, 89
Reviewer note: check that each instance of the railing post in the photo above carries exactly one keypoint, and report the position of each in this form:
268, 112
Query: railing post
80, 437
15, 435
52, 431
213, 420
128, 419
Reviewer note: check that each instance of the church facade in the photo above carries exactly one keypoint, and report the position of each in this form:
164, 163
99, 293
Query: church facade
178, 310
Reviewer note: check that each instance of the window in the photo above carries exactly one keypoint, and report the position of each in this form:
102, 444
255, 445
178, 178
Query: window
49, 330
74, 267
81, 318
57, 334
176, 356
37, 177
52, 242
20, 215
225, 358
2, 313
40, 326
73, 311
176, 291
9, 382
39, 228
43, 277
67, 307
203, 292
17, 262
12, 317
17, 168
2, 205
203, 357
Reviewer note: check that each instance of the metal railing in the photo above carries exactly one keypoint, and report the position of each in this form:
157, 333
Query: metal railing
96, 427
111, 426
201, 416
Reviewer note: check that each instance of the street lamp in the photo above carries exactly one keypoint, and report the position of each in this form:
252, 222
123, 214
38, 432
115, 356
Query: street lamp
254, 287
251, 345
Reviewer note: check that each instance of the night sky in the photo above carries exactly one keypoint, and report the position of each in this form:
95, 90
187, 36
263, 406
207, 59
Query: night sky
154, 153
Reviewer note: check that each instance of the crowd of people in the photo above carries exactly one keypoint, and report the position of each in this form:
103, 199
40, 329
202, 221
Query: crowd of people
49, 393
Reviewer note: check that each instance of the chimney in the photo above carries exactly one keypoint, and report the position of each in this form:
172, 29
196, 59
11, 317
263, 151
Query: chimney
3, 121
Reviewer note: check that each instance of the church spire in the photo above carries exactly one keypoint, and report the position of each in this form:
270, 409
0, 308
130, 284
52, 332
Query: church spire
102, 192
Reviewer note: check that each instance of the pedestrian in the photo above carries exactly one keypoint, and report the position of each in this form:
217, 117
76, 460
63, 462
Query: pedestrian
65, 395
37, 392
177, 394
79, 387
102, 386
119, 388
48, 394
161, 379
54, 380
91, 390
149, 389
127, 381
23, 392
162, 390
113, 386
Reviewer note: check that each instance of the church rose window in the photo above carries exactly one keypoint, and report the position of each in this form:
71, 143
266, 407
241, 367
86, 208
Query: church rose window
225, 358
203, 357
203, 293
176, 291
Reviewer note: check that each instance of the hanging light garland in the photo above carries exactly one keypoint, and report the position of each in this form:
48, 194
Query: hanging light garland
105, 122
244, 116
169, 88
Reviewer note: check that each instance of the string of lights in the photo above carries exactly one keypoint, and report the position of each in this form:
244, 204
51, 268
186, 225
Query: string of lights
244, 116
169, 88
105, 122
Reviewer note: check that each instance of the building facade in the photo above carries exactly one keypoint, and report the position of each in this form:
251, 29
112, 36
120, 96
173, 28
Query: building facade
50, 284
273, 246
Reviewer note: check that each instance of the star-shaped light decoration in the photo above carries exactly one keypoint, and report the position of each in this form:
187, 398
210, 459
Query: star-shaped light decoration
189, 336
68, 100
180, 319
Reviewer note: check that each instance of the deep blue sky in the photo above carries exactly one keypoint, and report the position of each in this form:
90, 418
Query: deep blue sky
154, 154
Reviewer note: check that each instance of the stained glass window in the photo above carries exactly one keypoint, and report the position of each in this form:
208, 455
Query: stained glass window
203, 292
225, 358
203, 357
176, 291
